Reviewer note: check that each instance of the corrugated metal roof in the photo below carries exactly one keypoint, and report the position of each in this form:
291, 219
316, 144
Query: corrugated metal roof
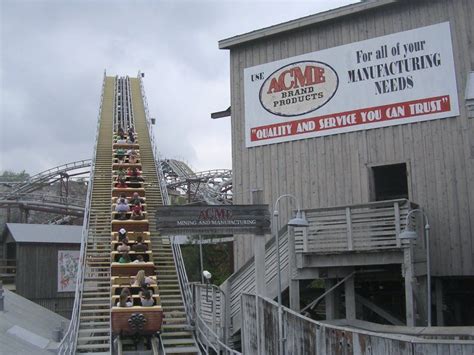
44, 233
24, 323
303, 22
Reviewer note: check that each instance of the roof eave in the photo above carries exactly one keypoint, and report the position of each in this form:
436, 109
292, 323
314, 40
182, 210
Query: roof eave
292, 25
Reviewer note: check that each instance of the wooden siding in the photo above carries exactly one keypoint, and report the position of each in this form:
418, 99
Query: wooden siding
37, 270
335, 170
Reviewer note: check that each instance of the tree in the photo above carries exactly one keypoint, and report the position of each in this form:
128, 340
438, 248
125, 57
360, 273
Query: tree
11, 176
217, 259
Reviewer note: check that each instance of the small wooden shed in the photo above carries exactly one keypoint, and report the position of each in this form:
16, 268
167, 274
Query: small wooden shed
46, 262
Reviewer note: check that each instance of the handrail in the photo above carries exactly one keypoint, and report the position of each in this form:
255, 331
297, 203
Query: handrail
221, 348
69, 342
218, 316
156, 155
183, 281
358, 205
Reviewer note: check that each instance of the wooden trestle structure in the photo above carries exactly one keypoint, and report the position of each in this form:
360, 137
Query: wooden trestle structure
104, 327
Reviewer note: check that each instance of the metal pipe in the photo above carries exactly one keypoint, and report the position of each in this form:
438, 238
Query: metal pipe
428, 270
201, 262
281, 335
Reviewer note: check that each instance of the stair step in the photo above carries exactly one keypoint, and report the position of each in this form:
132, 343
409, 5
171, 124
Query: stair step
95, 330
179, 341
176, 334
92, 346
182, 350
94, 317
93, 338
175, 320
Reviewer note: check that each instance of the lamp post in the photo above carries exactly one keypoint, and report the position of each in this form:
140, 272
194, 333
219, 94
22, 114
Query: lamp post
410, 234
298, 221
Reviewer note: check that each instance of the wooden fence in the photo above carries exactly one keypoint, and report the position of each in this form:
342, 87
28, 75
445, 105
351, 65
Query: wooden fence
7, 270
306, 336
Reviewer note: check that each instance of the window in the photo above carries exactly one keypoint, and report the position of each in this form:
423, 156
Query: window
390, 182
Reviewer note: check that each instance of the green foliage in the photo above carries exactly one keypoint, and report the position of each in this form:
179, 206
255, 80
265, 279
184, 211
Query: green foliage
11, 176
217, 259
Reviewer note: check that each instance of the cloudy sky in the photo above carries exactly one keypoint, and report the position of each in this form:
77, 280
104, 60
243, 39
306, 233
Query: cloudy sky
54, 52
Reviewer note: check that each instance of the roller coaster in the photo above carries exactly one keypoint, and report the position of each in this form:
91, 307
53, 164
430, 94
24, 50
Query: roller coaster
210, 187
110, 314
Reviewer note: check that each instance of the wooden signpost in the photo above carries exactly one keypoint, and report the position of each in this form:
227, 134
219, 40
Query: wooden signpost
196, 220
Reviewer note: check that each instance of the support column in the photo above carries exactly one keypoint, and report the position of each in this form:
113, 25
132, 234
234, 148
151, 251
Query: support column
421, 306
408, 275
349, 288
439, 302
259, 249
330, 299
294, 285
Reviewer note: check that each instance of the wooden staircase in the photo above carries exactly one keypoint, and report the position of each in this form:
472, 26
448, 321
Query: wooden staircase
94, 323
176, 335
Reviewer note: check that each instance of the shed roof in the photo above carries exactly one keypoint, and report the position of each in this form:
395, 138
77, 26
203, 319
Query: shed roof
302, 22
45, 233
27, 328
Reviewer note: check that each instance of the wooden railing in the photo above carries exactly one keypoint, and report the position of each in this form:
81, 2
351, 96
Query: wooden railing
371, 226
362, 227
7, 270
303, 335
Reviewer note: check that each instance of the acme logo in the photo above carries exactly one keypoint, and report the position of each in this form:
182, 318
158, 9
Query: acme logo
298, 88
294, 78
215, 214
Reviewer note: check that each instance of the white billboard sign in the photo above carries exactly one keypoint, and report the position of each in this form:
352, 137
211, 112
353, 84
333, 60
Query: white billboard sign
396, 79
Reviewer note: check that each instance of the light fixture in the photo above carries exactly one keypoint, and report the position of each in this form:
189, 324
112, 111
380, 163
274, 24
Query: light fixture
408, 234
298, 221
207, 275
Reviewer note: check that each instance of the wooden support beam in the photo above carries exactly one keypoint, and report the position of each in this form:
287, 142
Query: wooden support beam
330, 299
439, 302
376, 309
349, 288
408, 274
259, 248
294, 284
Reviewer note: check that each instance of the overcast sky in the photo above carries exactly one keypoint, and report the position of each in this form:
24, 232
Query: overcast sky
54, 52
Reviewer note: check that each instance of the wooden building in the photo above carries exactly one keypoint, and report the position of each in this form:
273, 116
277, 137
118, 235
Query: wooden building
395, 59
40, 250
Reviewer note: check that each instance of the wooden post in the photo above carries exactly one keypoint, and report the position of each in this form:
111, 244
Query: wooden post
349, 287
408, 274
227, 318
330, 300
293, 284
214, 310
259, 248
397, 222
305, 240
350, 242
439, 302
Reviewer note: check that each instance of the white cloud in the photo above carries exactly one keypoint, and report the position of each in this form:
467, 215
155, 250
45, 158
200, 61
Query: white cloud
53, 55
